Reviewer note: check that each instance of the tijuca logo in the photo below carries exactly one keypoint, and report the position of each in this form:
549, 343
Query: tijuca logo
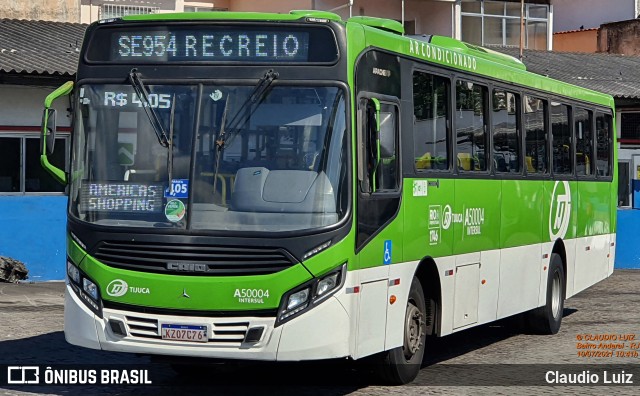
117, 288
560, 211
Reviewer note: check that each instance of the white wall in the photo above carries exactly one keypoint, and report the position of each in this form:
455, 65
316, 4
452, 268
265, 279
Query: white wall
571, 14
89, 9
22, 106
430, 16
435, 17
374, 8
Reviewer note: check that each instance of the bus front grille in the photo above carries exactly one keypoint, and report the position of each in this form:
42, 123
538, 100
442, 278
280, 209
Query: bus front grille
142, 327
232, 333
222, 332
192, 259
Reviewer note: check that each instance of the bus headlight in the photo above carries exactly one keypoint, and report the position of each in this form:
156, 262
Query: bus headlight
310, 294
298, 298
73, 272
84, 288
327, 284
90, 288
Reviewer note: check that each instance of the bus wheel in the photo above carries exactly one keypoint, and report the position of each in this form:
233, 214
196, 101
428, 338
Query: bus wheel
401, 365
547, 319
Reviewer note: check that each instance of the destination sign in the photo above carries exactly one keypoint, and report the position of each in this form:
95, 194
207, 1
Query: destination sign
219, 46
122, 197
214, 43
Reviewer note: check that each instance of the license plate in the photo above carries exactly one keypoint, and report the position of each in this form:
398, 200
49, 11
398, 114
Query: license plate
179, 332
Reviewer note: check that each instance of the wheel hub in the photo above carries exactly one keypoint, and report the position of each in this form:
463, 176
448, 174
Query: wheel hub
556, 296
413, 331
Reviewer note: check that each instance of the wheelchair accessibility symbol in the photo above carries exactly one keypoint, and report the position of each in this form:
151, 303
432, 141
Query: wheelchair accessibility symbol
387, 252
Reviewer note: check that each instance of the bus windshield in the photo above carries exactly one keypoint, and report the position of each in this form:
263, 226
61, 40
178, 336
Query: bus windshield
232, 160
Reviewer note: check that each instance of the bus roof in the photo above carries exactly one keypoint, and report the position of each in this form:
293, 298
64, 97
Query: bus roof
455, 54
240, 16
387, 34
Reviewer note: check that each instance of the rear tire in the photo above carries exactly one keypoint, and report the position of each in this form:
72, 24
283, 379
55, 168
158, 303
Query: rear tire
548, 318
401, 365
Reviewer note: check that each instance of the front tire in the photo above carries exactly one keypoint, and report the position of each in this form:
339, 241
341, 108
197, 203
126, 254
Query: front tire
548, 318
401, 365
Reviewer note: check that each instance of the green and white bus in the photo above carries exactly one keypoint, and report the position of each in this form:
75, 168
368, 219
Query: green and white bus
294, 187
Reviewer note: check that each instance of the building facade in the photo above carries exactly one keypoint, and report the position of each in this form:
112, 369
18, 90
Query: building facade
620, 37
43, 10
581, 40
93, 10
481, 22
35, 58
478, 22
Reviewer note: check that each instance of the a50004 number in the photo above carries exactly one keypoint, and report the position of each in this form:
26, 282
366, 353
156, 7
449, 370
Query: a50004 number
252, 293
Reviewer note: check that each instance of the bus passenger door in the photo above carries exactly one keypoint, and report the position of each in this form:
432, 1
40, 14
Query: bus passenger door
379, 227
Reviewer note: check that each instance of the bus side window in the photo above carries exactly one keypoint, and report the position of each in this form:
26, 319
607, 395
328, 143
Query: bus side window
506, 141
535, 130
471, 127
603, 144
561, 139
431, 121
584, 142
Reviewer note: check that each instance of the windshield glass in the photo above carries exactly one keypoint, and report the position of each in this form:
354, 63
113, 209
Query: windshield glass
260, 161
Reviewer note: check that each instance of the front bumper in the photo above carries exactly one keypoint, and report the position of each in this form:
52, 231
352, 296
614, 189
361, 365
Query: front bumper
320, 333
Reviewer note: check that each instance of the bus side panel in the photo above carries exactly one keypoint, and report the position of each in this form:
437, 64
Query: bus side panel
569, 239
428, 232
372, 317
519, 279
489, 286
445, 266
476, 215
375, 259
476, 229
522, 219
428, 229
521, 258
594, 227
612, 253
394, 336
546, 248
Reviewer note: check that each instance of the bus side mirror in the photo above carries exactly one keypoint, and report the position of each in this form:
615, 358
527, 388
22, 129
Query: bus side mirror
48, 131
48, 138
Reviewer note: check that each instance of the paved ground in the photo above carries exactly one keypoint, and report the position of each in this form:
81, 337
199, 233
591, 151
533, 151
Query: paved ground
31, 322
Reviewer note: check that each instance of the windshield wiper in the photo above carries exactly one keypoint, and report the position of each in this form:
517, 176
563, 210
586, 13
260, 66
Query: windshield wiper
256, 95
141, 91
243, 112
